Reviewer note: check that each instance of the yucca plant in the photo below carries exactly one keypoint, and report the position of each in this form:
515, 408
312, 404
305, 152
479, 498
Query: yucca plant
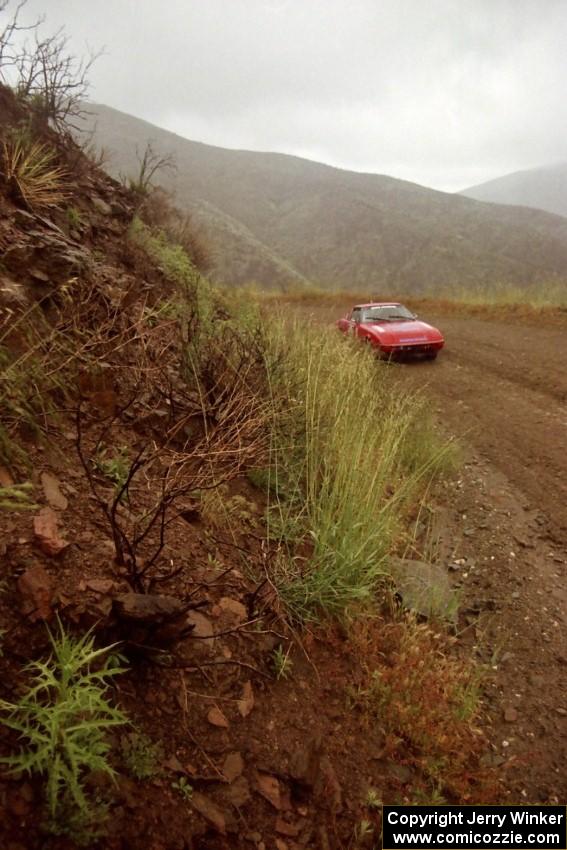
31, 171
62, 721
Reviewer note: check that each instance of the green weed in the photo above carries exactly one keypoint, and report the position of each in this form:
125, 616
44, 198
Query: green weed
282, 663
183, 788
363, 831
373, 799
141, 755
62, 721
116, 468
74, 218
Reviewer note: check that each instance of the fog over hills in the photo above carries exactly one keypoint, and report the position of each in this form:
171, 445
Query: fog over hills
544, 188
276, 219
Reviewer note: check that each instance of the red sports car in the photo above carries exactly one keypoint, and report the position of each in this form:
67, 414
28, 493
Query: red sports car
392, 330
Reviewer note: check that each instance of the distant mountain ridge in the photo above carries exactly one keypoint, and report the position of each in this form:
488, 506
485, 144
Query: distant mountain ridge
277, 219
543, 188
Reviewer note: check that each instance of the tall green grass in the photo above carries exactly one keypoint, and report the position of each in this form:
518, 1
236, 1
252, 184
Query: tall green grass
351, 450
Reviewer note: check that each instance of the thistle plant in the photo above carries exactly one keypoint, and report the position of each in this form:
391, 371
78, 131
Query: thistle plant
62, 721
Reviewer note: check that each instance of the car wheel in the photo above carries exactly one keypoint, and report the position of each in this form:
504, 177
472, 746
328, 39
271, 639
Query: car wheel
432, 355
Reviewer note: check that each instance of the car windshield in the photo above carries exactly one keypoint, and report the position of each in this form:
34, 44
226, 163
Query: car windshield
387, 313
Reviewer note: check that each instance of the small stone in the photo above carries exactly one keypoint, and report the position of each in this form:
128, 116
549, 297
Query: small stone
101, 206
39, 275
510, 714
36, 589
203, 631
6, 479
291, 830
233, 766
174, 765
209, 810
561, 711
246, 703
52, 491
217, 718
147, 607
101, 586
237, 793
47, 534
233, 607
269, 787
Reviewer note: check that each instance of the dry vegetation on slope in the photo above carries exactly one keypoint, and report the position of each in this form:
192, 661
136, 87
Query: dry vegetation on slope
196, 604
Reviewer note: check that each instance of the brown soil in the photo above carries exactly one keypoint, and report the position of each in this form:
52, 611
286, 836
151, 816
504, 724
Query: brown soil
302, 755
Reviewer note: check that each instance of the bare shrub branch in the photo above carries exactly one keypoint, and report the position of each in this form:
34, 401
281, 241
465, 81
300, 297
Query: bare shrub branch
54, 82
150, 163
8, 54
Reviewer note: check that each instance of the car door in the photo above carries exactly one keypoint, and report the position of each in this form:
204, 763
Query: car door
355, 320
347, 324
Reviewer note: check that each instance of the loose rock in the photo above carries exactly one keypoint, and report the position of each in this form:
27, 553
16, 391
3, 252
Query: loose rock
233, 766
217, 718
246, 703
52, 491
47, 534
36, 589
210, 811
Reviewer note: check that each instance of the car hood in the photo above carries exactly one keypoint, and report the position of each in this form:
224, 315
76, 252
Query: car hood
407, 332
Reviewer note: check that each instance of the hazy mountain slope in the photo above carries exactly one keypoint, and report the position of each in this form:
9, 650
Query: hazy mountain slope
274, 217
543, 188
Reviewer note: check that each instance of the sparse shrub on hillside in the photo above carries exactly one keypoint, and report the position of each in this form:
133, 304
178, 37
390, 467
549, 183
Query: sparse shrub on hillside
50, 81
183, 230
159, 212
214, 412
35, 382
150, 163
62, 721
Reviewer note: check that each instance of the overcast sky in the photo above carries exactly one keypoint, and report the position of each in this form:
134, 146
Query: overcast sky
446, 93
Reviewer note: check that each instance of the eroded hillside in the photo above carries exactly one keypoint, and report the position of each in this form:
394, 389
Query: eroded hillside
182, 495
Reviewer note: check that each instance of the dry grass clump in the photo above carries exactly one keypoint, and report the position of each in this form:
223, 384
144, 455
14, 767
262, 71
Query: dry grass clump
350, 452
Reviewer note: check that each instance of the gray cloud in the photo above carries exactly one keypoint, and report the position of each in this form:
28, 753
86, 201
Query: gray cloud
446, 92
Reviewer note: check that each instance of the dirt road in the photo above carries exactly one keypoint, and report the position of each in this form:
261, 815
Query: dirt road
504, 388
501, 388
